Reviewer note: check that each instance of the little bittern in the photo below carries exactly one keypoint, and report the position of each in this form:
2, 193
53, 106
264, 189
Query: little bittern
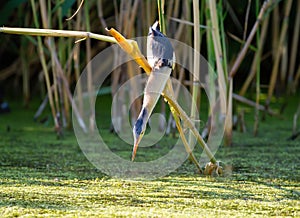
161, 58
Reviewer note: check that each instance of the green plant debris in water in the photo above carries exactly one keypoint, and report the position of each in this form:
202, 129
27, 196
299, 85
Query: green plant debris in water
42, 176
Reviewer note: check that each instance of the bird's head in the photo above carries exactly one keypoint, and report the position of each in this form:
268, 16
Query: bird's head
139, 129
160, 52
154, 30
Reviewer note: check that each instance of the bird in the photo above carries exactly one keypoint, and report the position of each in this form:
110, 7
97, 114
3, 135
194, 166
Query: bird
161, 58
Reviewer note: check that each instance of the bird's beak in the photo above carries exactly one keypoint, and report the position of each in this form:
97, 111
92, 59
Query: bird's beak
136, 145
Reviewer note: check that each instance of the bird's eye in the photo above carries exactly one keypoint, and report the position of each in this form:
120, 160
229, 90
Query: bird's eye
142, 133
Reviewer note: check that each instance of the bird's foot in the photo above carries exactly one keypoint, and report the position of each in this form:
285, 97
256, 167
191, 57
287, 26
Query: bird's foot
213, 169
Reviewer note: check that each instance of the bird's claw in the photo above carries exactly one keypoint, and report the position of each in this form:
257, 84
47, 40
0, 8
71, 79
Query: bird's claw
211, 168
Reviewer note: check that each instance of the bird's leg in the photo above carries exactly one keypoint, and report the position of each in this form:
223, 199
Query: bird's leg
168, 89
176, 107
213, 165
185, 143
211, 168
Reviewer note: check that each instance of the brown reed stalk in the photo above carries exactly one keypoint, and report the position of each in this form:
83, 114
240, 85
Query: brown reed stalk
131, 70
228, 118
294, 50
133, 15
195, 88
100, 13
117, 113
25, 53
275, 30
147, 10
259, 42
45, 69
63, 47
267, 4
90, 87
221, 71
283, 71
295, 120
171, 124
211, 80
215, 31
282, 38
233, 16
65, 82
46, 20
10, 70
76, 58
257, 56
296, 80
68, 69
188, 37
246, 20
25, 71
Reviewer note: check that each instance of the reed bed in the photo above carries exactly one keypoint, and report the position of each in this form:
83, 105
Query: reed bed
269, 37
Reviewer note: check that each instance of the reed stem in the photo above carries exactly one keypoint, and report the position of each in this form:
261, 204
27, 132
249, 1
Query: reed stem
44, 66
56, 33
196, 74
259, 42
282, 38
